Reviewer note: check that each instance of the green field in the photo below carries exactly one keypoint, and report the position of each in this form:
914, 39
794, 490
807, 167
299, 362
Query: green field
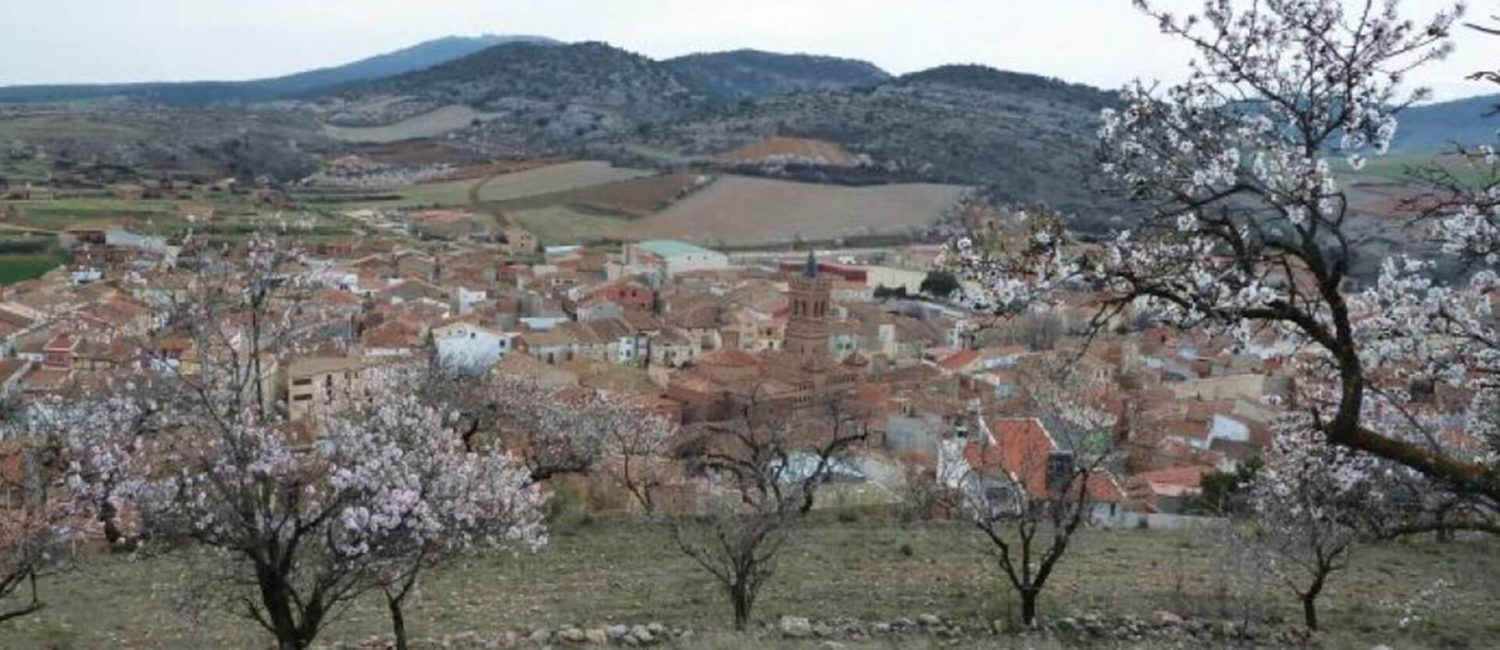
595, 572
17, 267
558, 225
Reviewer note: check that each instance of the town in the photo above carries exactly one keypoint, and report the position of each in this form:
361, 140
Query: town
682, 328
543, 341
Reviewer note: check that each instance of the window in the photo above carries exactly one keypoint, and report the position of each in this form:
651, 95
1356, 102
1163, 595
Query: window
302, 398
305, 381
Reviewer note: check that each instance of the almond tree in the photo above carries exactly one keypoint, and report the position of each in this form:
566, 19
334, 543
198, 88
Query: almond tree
295, 519
1033, 493
763, 471
1309, 502
1247, 232
39, 520
423, 500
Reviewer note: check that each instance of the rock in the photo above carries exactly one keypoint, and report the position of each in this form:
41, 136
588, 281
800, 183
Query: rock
1380, 647
656, 629
831, 645
929, 620
617, 632
882, 628
572, 635
821, 630
642, 635
539, 636
597, 636
795, 627
1168, 618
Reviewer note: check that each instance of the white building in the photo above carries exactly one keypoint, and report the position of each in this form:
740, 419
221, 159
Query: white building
670, 257
470, 347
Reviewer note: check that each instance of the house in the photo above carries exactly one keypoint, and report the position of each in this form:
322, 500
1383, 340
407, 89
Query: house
468, 346
1011, 454
670, 257
549, 346
59, 352
625, 293
313, 384
516, 240
393, 338
1165, 490
672, 348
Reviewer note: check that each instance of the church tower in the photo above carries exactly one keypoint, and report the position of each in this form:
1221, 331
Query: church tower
807, 331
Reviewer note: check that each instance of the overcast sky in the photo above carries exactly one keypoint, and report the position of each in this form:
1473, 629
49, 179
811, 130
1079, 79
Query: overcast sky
1101, 42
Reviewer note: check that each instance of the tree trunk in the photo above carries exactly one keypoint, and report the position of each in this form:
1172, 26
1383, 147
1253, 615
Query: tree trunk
1310, 598
398, 622
742, 601
1028, 607
1310, 610
278, 604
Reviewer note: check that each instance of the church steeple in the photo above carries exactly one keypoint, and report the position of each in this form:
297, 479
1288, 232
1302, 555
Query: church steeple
807, 330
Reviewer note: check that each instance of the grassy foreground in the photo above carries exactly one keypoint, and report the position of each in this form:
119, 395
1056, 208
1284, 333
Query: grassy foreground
620, 570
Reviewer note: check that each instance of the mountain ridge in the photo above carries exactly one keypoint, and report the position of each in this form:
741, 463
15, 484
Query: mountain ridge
206, 92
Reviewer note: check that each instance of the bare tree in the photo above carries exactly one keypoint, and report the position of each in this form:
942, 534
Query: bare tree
763, 470
1029, 488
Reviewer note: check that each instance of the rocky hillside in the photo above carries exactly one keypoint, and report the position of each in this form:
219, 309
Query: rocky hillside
743, 74
1021, 137
600, 87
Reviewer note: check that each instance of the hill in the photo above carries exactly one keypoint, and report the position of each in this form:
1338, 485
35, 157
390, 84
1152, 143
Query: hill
561, 90
742, 74
1436, 127
986, 79
198, 93
1020, 137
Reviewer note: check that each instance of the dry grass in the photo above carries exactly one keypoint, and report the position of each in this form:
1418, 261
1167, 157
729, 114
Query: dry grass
426, 125
738, 210
621, 570
555, 178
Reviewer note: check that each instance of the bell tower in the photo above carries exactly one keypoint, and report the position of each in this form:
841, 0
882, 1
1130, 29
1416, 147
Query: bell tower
807, 331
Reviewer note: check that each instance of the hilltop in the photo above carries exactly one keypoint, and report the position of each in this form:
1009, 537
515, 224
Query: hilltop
740, 74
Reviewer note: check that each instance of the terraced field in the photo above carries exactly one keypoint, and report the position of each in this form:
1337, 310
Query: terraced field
739, 210
555, 178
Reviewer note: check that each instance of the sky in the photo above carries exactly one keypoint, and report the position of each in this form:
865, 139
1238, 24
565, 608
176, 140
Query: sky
1100, 42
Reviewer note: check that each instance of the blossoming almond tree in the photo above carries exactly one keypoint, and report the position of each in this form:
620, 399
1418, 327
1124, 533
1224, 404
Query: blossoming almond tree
417, 498
1309, 500
295, 519
1247, 231
38, 521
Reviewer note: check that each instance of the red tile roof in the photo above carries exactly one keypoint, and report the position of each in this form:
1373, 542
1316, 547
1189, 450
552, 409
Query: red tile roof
959, 360
1020, 446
